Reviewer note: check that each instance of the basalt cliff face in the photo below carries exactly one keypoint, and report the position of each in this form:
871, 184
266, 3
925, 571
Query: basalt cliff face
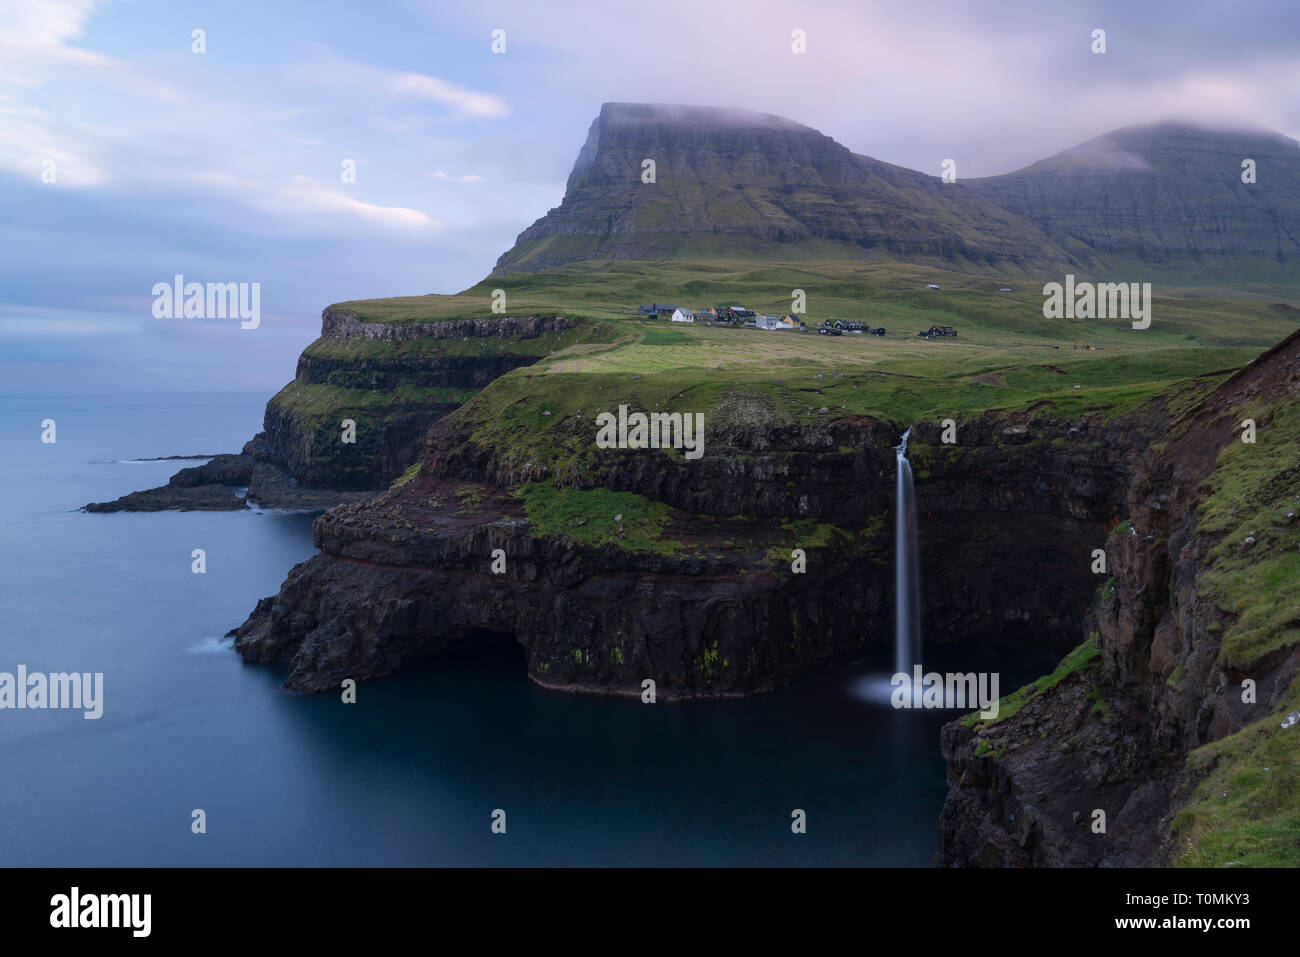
394, 380
726, 613
1105, 763
716, 617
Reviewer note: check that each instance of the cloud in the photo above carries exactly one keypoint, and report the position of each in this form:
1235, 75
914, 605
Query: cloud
351, 78
465, 101
312, 196
467, 178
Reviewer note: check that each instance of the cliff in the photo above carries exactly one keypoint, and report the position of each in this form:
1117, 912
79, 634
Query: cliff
393, 380
1171, 718
655, 567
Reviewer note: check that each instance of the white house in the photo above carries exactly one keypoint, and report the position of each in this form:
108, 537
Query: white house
683, 315
770, 323
931, 285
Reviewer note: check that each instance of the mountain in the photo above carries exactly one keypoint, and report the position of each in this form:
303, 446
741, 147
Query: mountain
1163, 194
738, 183
731, 180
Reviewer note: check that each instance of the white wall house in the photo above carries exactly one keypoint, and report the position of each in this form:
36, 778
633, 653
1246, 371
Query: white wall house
683, 315
770, 323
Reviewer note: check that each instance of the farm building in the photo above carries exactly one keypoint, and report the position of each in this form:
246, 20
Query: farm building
683, 315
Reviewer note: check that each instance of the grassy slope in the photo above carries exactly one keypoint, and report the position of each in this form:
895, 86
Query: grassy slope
878, 291
1246, 810
1007, 355
319, 406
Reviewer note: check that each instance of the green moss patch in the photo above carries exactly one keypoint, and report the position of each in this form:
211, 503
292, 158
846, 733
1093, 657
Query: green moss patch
597, 517
1084, 656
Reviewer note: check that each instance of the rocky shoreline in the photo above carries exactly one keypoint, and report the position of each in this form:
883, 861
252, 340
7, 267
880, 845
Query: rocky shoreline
298, 461
230, 482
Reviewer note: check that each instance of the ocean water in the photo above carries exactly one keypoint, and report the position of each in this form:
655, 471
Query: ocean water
412, 773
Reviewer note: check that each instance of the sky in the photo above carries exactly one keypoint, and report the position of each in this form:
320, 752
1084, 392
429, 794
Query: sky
228, 165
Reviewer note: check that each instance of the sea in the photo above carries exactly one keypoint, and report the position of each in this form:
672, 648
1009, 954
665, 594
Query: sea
416, 771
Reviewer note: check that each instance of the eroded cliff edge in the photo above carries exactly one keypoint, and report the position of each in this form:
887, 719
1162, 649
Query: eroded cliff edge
694, 585
393, 380
1168, 735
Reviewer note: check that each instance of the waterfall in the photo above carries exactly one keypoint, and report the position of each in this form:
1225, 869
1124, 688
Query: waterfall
907, 570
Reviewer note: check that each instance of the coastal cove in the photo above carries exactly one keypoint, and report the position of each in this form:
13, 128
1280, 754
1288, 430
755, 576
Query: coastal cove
411, 773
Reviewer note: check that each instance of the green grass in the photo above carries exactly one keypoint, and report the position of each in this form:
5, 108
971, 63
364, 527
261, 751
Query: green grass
597, 517
317, 400
407, 477
1245, 812
666, 337
1084, 656
1251, 490
881, 293
1246, 809
1007, 356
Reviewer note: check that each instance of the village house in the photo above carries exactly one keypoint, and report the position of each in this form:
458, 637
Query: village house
656, 310
736, 314
683, 315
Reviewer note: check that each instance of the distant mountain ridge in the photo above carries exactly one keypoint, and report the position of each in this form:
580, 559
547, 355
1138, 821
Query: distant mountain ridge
736, 182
